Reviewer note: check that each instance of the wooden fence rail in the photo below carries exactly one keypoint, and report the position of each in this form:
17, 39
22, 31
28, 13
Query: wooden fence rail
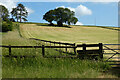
43, 48
98, 52
84, 46
70, 44
89, 45
111, 44
39, 46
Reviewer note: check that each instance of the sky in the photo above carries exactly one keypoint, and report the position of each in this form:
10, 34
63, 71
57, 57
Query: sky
88, 13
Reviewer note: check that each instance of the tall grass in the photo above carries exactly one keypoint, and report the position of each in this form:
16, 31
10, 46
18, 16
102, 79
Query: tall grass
52, 68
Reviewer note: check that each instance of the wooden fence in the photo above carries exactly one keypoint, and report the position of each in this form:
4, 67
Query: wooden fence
92, 52
112, 54
54, 42
74, 48
101, 51
42, 47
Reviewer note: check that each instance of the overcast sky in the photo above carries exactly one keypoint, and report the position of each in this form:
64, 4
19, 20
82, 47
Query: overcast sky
89, 13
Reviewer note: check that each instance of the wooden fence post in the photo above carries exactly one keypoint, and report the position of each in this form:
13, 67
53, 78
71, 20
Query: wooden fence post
54, 43
59, 48
43, 50
66, 49
74, 49
101, 50
84, 47
9, 50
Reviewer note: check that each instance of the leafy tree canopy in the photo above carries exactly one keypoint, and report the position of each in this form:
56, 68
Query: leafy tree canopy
60, 15
20, 13
4, 13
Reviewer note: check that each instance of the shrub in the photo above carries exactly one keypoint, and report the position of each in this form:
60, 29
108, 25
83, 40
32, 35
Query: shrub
12, 19
6, 26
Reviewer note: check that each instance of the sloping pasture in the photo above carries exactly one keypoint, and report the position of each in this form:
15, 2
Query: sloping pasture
75, 34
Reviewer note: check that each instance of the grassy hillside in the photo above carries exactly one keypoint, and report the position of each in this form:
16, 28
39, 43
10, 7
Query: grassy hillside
40, 67
75, 34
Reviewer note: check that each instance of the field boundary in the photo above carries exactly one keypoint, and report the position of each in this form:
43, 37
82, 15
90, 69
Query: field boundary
74, 49
43, 48
54, 42
92, 54
106, 27
99, 52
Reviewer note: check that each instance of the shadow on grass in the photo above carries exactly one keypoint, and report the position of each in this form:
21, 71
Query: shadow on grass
13, 56
47, 25
109, 28
114, 71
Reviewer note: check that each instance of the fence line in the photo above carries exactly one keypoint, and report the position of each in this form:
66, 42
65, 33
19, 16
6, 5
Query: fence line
74, 48
43, 48
111, 44
96, 52
55, 43
60, 47
38, 46
71, 44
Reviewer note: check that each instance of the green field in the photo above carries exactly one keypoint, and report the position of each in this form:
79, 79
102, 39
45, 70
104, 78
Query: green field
75, 34
40, 67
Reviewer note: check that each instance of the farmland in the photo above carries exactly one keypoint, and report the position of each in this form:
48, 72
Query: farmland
50, 67
62, 48
75, 34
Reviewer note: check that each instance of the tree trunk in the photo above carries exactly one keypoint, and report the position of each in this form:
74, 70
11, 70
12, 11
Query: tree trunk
51, 24
59, 23
20, 19
20, 16
17, 18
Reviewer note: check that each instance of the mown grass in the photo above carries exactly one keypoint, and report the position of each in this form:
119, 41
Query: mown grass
40, 67
75, 34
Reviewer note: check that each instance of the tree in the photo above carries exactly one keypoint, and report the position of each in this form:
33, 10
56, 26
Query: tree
60, 15
4, 14
73, 20
14, 13
20, 13
12, 19
4, 18
49, 16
